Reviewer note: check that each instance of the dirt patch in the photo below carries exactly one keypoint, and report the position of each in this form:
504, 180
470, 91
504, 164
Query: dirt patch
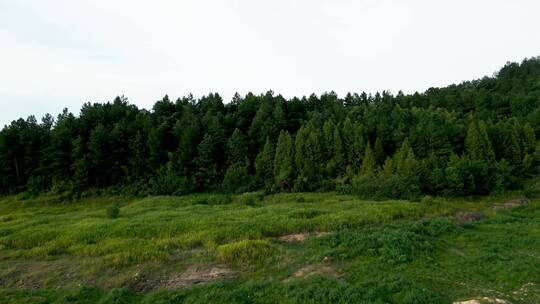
290, 238
483, 300
197, 275
463, 218
300, 237
142, 282
313, 270
513, 203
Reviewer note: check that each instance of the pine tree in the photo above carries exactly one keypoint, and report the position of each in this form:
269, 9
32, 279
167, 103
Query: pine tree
388, 167
137, 161
368, 163
98, 156
207, 170
328, 139
307, 151
379, 151
188, 134
237, 148
335, 166
81, 165
264, 163
405, 160
477, 143
354, 144
284, 161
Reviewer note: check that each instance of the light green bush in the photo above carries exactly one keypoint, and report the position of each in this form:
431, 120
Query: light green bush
246, 252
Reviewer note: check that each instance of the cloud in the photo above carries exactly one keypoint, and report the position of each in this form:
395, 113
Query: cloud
62, 53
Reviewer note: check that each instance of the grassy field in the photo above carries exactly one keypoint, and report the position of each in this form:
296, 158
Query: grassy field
285, 248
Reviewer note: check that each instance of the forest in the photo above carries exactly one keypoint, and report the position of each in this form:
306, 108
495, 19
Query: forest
475, 138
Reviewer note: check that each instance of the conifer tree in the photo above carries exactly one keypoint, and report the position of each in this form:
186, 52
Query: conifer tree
237, 148
405, 160
478, 144
388, 167
378, 151
328, 139
264, 163
308, 155
284, 161
354, 144
207, 170
368, 163
335, 166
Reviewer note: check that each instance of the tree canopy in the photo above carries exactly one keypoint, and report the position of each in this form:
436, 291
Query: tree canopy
471, 138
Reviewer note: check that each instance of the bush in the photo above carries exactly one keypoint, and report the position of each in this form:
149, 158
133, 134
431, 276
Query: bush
246, 252
470, 177
168, 182
37, 184
113, 212
118, 296
531, 191
427, 200
250, 199
237, 179
392, 244
386, 187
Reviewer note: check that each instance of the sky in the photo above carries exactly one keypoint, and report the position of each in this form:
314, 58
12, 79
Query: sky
63, 53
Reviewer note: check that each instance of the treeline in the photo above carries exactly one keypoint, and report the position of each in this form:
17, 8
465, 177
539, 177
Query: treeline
473, 138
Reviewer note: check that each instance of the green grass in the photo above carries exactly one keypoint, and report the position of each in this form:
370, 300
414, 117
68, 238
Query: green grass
376, 252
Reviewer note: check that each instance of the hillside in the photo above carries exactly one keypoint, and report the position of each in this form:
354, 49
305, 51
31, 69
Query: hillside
474, 138
432, 197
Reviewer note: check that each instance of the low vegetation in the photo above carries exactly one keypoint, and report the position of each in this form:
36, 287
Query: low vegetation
179, 250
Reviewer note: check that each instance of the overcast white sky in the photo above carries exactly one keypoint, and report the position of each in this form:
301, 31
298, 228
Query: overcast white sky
62, 53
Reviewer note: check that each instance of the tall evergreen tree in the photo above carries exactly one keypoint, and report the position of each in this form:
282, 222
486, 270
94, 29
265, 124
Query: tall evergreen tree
284, 161
368, 163
237, 148
478, 144
264, 164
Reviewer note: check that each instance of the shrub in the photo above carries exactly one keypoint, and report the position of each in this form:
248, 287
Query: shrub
113, 212
118, 296
427, 200
392, 244
249, 199
385, 187
237, 179
531, 191
37, 184
246, 252
168, 182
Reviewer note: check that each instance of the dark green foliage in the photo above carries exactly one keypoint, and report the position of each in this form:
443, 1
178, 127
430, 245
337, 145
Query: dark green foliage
214, 200
113, 211
118, 296
284, 161
382, 187
474, 138
237, 179
392, 244
368, 162
85, 295
264, 164
166, 181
